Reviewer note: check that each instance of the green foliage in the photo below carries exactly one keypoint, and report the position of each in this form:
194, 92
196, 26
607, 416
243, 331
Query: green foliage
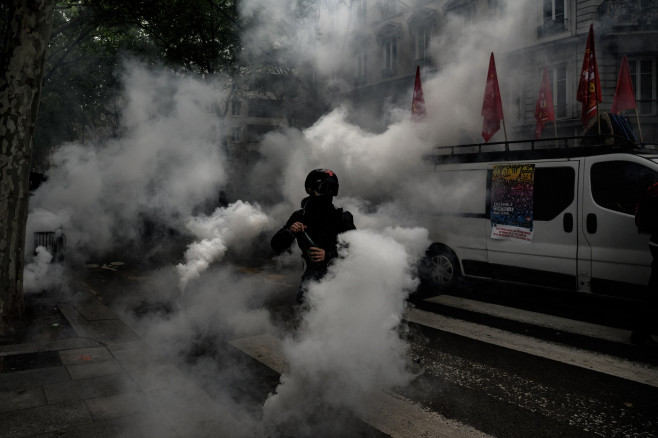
90, 40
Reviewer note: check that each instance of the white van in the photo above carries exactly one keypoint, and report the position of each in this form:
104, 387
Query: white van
580, 232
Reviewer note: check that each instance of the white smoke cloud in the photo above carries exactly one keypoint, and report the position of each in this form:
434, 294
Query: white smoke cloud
462, 49
168, 163
230, 225
348, 346
372, 167
192, 330
336, 358
40, 274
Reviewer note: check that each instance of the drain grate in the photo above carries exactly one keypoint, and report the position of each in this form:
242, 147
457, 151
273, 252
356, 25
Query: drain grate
30, 361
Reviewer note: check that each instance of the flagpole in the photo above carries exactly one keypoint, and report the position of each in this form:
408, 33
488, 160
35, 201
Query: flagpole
505, 131
597, 84
639, 127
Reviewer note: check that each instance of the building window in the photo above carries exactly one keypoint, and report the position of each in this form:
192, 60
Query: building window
359, 8
496, 8
554, 11
236, 134
390, 57
388, 8
361, 67
266, 108
421, 27
643, 75
463, 10
235, 107
422, 43
557, 76
553, 17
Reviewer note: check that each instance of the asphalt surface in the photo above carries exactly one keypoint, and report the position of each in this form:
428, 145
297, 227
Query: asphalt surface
79, 369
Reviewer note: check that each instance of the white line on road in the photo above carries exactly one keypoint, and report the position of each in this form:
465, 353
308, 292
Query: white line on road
392, 414
535, 318
602, 363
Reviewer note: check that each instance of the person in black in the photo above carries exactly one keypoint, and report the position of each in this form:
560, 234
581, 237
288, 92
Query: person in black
316, 227
646, 219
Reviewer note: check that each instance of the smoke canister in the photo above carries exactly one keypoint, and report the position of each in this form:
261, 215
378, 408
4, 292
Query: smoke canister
310, 243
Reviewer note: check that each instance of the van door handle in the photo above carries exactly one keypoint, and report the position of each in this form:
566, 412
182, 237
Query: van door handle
591, 223
567, 222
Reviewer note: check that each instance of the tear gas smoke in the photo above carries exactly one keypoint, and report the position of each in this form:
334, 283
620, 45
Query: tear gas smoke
348, 346
41, 274
226, 227
167, 165
192, 331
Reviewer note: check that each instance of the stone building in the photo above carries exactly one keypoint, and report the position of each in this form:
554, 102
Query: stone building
387, 39
622, 28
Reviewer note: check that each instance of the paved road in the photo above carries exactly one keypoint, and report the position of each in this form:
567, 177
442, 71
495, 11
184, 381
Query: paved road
565, 367
489, 361
515, 385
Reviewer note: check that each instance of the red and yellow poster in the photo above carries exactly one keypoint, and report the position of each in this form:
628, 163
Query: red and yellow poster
512, 188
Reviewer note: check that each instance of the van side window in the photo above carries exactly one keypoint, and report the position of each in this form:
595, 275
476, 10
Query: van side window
616, 185
553, 192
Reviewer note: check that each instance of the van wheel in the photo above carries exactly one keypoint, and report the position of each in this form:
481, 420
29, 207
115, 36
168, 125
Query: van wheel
440, 268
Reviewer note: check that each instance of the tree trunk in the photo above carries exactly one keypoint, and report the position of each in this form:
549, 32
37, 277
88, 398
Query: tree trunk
21, 65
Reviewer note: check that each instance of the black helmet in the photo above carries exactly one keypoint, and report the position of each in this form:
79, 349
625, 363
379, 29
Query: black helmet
323, 181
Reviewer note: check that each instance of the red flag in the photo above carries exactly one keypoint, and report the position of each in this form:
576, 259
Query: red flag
418, 111
492, 107
624, 94
589, 87
544, 111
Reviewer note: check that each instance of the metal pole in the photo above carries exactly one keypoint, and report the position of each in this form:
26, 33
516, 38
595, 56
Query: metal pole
505, 130
639, 128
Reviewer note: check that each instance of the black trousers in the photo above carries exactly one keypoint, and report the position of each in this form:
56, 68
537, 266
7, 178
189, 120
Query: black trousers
312, 273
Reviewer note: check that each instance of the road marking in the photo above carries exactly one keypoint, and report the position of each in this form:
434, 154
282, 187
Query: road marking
392, 414
602, 363
535, 318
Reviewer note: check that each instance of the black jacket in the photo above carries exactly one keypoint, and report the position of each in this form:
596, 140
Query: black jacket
324, 223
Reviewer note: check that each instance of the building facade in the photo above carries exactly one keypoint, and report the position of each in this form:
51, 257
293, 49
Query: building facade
622, 28
389, 38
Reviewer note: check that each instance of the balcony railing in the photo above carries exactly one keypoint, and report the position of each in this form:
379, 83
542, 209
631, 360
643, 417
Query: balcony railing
551, 27
636, 13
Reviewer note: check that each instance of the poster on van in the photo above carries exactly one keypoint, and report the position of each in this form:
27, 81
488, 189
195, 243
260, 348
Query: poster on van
512, 187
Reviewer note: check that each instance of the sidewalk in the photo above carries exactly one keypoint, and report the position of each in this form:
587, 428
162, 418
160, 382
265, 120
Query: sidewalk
99, 380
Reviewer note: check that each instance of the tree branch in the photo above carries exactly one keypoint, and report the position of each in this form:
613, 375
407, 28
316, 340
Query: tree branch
68, 50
